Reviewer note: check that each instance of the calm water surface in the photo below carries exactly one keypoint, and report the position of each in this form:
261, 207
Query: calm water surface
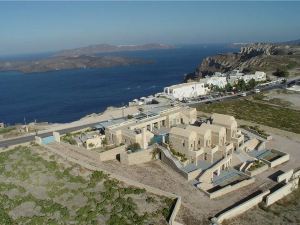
64, 96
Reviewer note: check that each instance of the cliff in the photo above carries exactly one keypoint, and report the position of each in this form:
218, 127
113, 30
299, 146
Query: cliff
258, 56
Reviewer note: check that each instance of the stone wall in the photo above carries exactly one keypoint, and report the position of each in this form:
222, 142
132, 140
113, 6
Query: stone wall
112, 153
241, 208
257, 171
150, 189
142, 156
230, 188
285, 176
175, 211
282, 192
279, 161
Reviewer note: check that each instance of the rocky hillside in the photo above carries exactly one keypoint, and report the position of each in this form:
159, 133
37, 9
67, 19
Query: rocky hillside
106, 48
65, 63
258, 56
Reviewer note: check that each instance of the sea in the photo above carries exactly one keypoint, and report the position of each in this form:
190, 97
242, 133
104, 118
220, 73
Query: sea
68, 95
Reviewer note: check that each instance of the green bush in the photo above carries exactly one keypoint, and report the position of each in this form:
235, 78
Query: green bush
281, 73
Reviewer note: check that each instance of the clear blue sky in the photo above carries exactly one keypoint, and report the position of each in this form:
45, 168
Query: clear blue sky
27, 27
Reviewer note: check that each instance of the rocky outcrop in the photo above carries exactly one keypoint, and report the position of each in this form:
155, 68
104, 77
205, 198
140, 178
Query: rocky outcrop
251, 57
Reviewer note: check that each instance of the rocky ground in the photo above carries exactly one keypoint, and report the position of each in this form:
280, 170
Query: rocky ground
37, 187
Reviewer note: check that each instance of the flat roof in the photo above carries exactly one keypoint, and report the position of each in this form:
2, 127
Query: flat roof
184, 84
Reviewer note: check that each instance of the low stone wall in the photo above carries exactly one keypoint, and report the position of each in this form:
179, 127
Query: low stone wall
261, 146
257, 171
193, 174
285, 176
112, 153
38, 140
281, 160
175, 211
150, 189
173, 165
230, 188
241, 208
136, 157
82, 151
282, 192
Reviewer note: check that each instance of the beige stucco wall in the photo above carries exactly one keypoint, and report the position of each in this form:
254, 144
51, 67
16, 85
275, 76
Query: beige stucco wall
111, 154
285, 176
231, 188
175, 211
281, 192
38, 140
257, 171
142, 156
56, 136
240, 208
279, 161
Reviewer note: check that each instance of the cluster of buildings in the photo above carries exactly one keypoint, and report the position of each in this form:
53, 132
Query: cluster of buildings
203, 86
146, 127
213, 153
90, 140
210, 141
235, 75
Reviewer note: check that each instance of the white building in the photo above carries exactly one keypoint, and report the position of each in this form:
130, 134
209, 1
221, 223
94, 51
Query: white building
236, 75
258, 76
215, 81
186, 90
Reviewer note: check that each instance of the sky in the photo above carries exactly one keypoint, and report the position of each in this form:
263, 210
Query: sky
30, 27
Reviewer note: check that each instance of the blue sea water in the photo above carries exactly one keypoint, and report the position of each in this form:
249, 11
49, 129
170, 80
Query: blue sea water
64, 96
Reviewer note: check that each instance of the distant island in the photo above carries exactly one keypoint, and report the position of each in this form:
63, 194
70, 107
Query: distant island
106, 48
81, 58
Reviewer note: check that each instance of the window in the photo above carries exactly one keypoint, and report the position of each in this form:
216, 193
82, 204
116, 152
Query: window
183, 144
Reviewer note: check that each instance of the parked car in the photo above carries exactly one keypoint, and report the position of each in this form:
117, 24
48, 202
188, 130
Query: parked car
243, 94
256, 90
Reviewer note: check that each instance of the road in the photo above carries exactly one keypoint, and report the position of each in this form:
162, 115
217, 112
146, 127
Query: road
248, 93
29, 138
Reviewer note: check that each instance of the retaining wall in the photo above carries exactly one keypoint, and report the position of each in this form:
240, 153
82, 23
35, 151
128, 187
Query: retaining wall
175, 211
281, 160
285, 176
133, 158
230, 188
112, 153
150, 189
241, 208
257, 171
282, 192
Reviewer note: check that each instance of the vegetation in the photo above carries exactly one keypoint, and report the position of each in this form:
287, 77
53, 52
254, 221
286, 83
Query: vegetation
241, 85
281, 73
256, 164
91, 145
265, 114
6, 130
134, 147
69, 138
129, 117
256, 129
285, 211
182, 156
59, 197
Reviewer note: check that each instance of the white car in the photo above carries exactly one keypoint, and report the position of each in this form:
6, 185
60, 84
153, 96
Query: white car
244, 94
256, 90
